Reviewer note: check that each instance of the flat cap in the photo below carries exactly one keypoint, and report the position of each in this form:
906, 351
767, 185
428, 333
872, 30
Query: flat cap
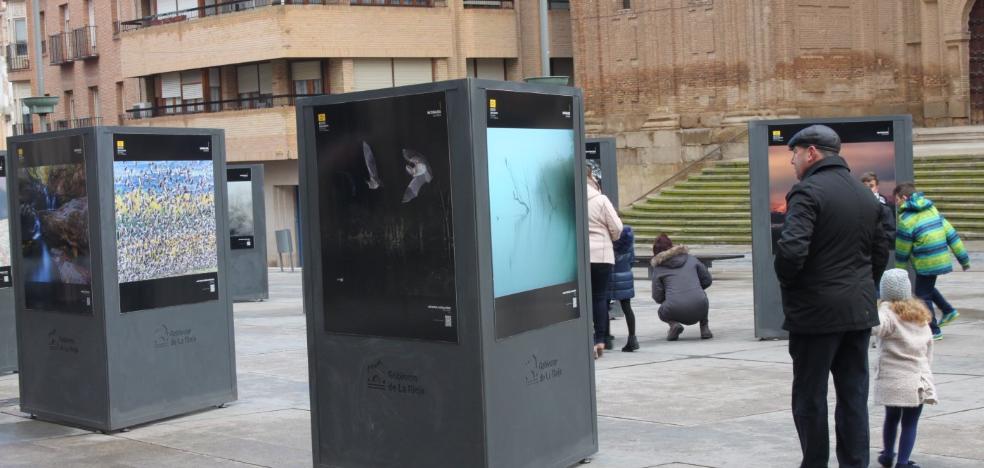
821, 136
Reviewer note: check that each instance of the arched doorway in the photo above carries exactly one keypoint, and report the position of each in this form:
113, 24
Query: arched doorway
977, 62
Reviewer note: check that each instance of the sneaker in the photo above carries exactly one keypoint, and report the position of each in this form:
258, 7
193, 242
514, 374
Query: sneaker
937, 336
885, 459
675, 330
949, 317
631, 345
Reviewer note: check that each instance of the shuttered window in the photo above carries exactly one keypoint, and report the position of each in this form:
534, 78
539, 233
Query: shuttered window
248, 79
490, 69
412, 71
171, 85
372, 74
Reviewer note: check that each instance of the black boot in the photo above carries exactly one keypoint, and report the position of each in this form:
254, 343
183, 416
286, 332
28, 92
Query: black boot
631, 345
705, 331
674, 333
909, 464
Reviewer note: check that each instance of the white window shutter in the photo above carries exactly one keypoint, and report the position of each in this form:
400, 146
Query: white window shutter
412, 71
491, 69
171, 85
371, 73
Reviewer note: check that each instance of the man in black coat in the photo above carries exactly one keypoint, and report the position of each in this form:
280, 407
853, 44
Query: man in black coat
830, 249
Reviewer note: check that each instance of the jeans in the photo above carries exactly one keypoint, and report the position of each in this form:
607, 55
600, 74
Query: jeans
815, 357
601, 274
926, 290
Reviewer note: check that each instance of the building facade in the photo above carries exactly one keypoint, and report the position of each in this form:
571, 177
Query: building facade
674, 79
239, 65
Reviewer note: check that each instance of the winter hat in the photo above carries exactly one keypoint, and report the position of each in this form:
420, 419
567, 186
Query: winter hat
895, 285
662, 244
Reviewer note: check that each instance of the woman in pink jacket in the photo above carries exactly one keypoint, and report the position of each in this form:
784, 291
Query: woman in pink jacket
604, 227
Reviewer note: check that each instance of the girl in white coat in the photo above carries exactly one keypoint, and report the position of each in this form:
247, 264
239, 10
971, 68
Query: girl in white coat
903, 380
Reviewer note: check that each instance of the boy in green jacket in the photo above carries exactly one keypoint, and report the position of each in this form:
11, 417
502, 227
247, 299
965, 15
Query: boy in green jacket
927, 237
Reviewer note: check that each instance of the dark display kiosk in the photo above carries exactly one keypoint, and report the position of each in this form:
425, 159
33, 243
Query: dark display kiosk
123, 311
600, 154
882, 145
445, 276
8, 329
248, 279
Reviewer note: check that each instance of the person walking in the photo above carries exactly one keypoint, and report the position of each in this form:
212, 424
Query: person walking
925, 238
604, 227
623, 284
828, 253
904, 381
679, 281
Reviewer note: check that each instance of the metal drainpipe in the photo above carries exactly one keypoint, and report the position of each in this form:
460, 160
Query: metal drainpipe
544, 39
38, 65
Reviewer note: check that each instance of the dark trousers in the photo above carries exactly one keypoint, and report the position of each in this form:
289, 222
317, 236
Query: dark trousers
909, 417
601, 275
926, 290
815, 357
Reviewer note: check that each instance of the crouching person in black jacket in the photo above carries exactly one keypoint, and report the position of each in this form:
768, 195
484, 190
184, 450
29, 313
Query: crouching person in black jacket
830, 250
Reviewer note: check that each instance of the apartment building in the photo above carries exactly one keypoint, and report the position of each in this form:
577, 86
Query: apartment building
240, 64
16, 80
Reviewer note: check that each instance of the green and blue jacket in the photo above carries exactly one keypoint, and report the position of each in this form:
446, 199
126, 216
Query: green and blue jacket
926, 237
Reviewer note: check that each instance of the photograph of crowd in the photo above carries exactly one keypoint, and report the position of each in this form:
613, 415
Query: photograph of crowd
54, 215
165, 219
240, 208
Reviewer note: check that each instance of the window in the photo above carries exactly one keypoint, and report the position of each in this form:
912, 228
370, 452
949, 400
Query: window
20, 36
626, 4
181, 92
214, 89
94, 102
307, 77
69, 105
119, 101
65, 26
560, 4
562, 66
487, 68
44, 42
255, 85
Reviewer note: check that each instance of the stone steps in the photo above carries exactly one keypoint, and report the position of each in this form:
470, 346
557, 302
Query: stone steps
713, 206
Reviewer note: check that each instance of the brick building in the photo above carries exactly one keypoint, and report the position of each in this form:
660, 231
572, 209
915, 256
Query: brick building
240, 64
673, 79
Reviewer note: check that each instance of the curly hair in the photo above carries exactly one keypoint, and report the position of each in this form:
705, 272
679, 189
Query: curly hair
911, 310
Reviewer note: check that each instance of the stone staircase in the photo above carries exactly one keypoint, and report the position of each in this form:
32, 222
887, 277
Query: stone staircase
712, 206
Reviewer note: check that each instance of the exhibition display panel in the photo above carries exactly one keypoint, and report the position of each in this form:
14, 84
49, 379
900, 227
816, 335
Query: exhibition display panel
8, 329
123, 314
247, 233
601, 156
882, 145
445, 276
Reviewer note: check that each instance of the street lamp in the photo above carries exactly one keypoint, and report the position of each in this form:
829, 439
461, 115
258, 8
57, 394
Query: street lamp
41, 105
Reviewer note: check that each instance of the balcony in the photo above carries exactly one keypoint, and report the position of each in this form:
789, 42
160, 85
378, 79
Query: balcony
84, 43
257, 129
258, 34
489, 4
60, 48
17, 58
76, 123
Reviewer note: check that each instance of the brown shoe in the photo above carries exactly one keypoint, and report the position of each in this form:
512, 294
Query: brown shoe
675, 330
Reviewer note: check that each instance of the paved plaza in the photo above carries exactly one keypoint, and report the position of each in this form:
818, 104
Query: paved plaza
717, 403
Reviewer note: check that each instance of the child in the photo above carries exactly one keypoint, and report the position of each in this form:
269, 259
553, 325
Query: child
927, 237
623, 284
903, 381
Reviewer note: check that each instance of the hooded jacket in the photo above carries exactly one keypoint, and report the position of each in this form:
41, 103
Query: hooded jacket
679, 281
831, 249
604, 227
926, 237
622, 284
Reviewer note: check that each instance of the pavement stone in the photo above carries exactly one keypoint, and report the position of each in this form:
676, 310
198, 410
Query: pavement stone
692, 403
